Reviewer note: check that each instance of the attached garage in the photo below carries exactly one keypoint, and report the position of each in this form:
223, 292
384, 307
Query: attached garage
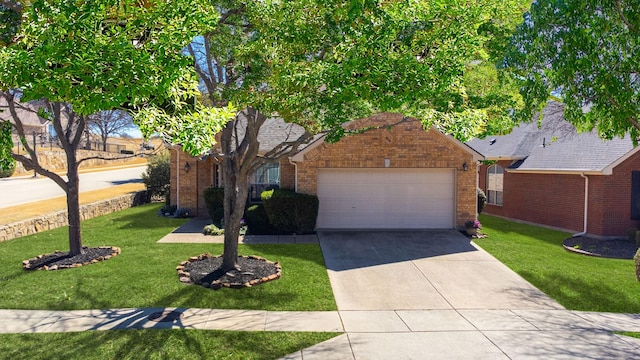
396, 174
386, 198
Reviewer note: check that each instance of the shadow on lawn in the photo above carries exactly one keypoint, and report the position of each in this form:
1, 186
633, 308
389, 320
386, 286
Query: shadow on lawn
120, 344
576, 294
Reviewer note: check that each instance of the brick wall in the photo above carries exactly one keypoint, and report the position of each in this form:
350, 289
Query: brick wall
187, 186
406, 145
558, 200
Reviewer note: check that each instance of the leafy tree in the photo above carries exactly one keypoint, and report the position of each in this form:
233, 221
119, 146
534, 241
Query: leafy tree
587, 52
322, 63
158, 175
77, 58
108, 123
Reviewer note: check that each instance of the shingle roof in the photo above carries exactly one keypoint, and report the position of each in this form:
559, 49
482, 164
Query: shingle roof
553, 146
27, 113
273, 132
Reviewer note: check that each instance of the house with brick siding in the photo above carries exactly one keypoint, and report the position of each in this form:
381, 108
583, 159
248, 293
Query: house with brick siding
548, 173
398, 175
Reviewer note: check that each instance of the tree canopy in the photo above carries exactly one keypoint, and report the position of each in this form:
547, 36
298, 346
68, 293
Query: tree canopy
587, 53
70, 59
321, 63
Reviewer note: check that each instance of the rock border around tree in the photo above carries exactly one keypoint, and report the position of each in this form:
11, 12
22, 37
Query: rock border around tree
61, 260
205, 270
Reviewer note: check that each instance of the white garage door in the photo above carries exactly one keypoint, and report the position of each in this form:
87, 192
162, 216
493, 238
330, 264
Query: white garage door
386, 198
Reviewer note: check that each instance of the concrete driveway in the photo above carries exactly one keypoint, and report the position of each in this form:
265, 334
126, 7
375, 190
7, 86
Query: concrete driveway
421, 270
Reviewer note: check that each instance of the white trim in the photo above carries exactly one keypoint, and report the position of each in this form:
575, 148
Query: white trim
608, 170
557, 171
586, 206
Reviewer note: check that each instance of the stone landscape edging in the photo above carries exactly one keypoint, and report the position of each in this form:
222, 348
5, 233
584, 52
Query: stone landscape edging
59, 218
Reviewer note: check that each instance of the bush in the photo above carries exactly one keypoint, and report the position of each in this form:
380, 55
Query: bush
158, 175
214, 199
183, 212
5, 173
482, 199
291, 212
257, 221
212, 230
168, 210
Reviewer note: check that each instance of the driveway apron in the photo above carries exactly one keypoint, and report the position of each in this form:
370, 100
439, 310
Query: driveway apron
421, 270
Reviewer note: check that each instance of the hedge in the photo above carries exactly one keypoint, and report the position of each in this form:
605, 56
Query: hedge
291, 212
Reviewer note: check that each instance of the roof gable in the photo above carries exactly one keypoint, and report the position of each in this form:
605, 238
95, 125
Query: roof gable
383, 120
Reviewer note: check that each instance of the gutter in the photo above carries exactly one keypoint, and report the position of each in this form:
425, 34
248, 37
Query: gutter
178, 179
295, 166
586, 206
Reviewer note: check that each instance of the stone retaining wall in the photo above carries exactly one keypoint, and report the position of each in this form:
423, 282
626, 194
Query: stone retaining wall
56, 160
59, 218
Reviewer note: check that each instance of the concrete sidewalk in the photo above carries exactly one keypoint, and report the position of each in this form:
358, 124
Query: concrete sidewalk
423, 334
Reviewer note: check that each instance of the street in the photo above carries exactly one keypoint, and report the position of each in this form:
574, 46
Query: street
22, 190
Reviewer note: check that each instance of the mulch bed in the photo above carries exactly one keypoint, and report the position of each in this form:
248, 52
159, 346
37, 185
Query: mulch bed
205, 270
62, 260
617, 248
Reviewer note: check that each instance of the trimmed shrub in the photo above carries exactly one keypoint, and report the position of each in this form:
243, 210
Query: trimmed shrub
482, 199
212, 230
214, 199
158, 175
5, 173
257, 221
291, 212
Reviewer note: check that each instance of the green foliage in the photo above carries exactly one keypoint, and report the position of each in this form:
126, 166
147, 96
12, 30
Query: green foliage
212, 230
9, 23
100, 55
290, 212
587, 52
214, 199
482, 199
157, 178
7, 162
257, 220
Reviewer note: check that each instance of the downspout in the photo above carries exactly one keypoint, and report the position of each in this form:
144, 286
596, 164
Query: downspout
295, 166
178, 179
586, 205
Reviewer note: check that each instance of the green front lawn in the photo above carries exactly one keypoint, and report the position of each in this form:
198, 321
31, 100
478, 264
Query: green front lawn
144, 274
577, 282
157, 344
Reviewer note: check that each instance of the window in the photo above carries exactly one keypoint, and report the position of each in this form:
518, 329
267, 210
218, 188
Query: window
495, 178
266, 177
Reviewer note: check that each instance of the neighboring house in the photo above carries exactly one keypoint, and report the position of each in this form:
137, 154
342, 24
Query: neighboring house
399, 177
553, 175
31, 122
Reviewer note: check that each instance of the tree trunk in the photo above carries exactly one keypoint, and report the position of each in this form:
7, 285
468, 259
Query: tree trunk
238, 161
73, 205
236, 190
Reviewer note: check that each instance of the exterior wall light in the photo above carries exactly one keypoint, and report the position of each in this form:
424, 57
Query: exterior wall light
187, 167
465, 167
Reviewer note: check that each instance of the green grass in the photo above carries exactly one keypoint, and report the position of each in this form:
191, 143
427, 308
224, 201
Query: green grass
630, 334
144, 274
157, 344
577, 282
